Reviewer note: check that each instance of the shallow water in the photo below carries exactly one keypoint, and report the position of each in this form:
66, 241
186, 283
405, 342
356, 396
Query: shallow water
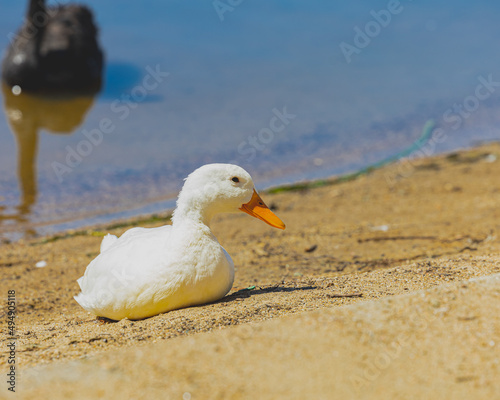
264, 84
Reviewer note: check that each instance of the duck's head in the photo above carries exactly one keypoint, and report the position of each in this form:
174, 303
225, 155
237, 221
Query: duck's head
218, 188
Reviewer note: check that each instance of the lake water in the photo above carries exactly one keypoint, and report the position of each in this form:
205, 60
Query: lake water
290, 90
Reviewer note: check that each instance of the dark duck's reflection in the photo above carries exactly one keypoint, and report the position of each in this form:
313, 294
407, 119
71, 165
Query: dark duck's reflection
56, 50
28, 114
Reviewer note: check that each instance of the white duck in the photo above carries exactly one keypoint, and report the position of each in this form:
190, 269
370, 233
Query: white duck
146, 272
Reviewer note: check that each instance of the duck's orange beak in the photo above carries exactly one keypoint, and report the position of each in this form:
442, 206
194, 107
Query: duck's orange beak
258, 209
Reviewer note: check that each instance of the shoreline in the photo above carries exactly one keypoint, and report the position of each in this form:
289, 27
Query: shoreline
134, 218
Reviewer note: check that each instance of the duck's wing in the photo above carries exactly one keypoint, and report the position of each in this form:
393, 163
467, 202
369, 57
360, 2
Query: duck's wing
135, 251
110, 240
124, 263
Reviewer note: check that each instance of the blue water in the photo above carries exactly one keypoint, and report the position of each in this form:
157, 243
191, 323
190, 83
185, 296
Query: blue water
265, 85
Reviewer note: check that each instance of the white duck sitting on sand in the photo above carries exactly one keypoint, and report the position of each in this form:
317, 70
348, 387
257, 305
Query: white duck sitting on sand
146, 272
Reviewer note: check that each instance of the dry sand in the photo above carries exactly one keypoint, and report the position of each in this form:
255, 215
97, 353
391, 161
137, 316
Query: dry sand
435, 344
353, 242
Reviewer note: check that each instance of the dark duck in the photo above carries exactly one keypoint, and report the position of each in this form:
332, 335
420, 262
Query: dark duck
56, 50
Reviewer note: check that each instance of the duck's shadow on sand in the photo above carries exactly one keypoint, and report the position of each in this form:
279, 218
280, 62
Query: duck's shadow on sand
245, 293
240, 294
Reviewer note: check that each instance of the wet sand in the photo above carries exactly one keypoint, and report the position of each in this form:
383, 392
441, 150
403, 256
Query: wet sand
386, 248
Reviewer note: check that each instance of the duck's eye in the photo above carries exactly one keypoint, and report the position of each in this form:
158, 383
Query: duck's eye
235, 179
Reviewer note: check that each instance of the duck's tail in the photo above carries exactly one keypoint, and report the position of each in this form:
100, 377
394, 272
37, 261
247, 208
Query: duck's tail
81, 299
107, 242
80, 282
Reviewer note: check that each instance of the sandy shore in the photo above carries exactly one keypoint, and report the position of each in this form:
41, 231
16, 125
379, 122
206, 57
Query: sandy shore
440, 343
376, 244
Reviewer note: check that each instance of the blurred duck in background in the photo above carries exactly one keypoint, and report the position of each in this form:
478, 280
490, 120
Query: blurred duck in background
56, 50
51, 72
